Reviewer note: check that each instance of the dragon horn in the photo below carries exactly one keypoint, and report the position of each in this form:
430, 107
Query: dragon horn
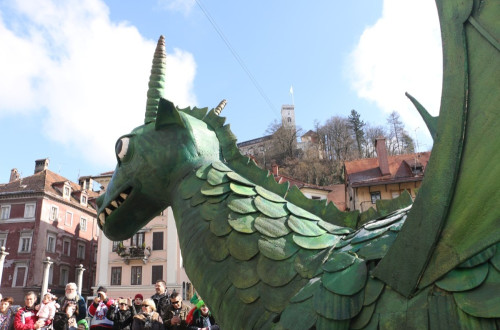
156, 81
220, 107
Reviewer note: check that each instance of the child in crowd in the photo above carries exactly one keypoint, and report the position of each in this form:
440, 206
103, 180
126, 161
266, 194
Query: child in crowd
47, 309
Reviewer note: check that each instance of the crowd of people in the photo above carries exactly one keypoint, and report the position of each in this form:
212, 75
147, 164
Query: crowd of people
163, 311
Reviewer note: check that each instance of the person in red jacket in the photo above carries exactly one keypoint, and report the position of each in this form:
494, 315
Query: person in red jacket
98, 310
26, 318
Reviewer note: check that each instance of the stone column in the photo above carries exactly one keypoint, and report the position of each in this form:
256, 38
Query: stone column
45, 279
79, 277
3, 254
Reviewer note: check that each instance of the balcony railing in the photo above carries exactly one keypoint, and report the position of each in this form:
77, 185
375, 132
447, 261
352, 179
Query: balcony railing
128, 253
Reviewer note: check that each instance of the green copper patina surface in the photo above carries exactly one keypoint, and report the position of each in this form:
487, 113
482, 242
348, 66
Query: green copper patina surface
264, 256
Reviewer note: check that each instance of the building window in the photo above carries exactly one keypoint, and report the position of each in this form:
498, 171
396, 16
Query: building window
67, 192
115, 246
83, 200
20, 274
136, 277
67, 247
29, 211
116, 276
158, 241
156, 273
83, 224
5, 212
137, 239
69, 219
315, 197
64, 278
80, 251
25, 243
375, 195
51, 242
3, 239
53, 213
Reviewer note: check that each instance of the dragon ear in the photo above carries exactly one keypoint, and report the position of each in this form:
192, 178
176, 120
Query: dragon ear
167, 115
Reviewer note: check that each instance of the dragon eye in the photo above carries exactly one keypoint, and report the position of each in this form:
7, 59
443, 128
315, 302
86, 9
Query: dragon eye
121, 148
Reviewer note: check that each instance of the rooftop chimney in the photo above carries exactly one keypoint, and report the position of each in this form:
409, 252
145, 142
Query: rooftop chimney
41, 165
383, 163
275, 169
14, 175
86, 183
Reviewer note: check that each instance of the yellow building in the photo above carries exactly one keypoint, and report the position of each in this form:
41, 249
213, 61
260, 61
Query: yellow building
384, 177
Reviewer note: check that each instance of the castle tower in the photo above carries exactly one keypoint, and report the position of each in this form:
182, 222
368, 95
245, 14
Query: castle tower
288, 116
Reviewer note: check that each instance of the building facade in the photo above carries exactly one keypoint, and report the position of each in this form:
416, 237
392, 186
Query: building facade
384, 177
46, 215
133, 266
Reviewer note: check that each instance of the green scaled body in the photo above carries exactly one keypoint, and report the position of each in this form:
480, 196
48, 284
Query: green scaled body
263, 256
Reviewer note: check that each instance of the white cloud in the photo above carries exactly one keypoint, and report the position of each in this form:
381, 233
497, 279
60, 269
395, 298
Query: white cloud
87, 73
183, 6
400, 53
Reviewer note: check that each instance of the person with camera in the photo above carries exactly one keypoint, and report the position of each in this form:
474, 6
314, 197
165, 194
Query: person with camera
122, 315
98, 310
176, 313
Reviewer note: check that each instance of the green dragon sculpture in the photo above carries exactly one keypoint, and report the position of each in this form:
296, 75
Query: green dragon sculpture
264, 256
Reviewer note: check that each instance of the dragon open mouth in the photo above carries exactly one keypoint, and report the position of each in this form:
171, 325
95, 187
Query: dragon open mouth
113, 205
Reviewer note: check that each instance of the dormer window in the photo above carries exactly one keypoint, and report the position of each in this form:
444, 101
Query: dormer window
83, 199
66, 191
418, 169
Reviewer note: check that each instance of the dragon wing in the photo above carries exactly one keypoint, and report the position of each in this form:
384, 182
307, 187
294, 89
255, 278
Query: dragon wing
455, 215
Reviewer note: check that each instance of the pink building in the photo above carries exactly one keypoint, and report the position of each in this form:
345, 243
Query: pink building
46, 215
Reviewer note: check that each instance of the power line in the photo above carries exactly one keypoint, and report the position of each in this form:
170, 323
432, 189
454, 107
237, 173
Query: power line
236, 56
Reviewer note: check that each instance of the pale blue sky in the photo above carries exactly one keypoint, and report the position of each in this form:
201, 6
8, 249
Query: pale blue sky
73, 74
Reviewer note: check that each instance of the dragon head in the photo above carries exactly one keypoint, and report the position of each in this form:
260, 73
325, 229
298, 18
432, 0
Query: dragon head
152, 159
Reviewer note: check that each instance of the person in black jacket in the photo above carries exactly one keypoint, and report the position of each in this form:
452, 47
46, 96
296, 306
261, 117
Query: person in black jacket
122, 315
161, 297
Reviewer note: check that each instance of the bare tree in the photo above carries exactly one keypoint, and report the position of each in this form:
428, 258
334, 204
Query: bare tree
338, 143
283, 142
372, 133
396, 130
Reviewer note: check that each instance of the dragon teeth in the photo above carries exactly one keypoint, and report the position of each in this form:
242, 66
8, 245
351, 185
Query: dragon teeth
114, 203
108, 211
123, 195
102, 218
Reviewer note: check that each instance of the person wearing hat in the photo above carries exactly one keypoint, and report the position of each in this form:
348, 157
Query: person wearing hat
98, 310
138, 303
200, 318
148, 318
122, 315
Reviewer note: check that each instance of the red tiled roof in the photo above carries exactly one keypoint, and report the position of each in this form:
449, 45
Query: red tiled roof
366, 171
43, 181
